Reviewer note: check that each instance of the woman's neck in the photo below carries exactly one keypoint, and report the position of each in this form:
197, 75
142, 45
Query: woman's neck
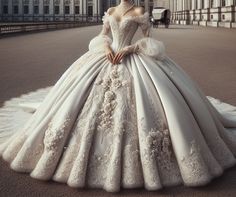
125, 2
125, 6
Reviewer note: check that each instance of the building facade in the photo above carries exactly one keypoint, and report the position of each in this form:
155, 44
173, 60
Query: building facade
216, 13
162, 3
50, 10
59, 10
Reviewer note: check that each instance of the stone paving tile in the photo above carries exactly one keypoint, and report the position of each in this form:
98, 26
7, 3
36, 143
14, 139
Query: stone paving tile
32, 61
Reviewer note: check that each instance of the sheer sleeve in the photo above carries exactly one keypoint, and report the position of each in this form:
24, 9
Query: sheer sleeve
98, 43
144, 24
147, 45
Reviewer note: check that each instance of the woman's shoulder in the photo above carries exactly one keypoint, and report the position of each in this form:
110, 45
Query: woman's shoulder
141, 15
139, 10
110, 10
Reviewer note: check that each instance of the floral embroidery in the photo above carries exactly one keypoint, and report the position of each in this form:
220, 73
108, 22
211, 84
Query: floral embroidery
159, 144
194, 163
110, 84
116, 83
54, 136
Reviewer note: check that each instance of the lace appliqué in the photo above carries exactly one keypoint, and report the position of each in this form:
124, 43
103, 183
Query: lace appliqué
193, 164
105, 20
144, 23
159, 150
110, 84
159, 143
54, 136
99, 164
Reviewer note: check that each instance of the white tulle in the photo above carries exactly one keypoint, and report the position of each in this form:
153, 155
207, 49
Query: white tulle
151, 47
98, 42
15, 112
227, 111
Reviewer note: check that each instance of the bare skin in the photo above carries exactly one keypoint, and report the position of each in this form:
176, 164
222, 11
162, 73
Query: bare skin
117, 13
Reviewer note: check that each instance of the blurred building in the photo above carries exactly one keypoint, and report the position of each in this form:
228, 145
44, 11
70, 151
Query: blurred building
147, 4
162, 3
216, 13
50, 10
59, 10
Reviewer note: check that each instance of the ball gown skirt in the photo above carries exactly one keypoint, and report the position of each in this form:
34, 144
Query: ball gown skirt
140, 123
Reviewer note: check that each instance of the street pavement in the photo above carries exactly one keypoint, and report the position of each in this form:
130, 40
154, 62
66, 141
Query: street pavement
32, 61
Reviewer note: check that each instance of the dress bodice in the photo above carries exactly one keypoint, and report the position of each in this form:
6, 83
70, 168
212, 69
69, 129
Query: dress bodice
123, 31
122, 34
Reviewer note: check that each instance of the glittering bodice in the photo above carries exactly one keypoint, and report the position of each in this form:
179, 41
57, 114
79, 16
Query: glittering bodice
123, 31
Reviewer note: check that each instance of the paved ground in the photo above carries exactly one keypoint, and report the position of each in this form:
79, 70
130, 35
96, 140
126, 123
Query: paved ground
32, 61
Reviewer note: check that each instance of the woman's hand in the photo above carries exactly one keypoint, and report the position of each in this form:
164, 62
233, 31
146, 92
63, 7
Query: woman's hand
109, 53
119, 56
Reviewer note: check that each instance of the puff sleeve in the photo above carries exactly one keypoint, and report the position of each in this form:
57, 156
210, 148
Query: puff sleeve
98, 43
147, 45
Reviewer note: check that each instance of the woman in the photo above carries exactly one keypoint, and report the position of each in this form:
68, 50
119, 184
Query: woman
123, 115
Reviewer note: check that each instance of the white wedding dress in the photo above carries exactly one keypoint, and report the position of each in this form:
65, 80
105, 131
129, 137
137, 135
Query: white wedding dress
141, 123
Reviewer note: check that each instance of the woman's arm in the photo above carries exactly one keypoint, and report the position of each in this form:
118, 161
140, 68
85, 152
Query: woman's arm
105, 31
102, 42
146, 45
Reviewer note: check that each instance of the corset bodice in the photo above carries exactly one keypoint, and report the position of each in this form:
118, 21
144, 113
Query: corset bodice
123, 31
